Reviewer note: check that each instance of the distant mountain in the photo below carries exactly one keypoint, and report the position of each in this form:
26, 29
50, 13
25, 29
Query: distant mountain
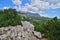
30, 14
33, 14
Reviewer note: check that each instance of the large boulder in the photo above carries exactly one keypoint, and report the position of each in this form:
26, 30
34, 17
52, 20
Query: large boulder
19, 32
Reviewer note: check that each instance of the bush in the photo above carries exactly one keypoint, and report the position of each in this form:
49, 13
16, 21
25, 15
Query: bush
9, 17
51, 29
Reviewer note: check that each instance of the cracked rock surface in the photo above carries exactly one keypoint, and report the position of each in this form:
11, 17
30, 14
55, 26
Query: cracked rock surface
19, 32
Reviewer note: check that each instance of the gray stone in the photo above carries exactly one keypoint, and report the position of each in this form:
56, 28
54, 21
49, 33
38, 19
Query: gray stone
38, 34
19, 32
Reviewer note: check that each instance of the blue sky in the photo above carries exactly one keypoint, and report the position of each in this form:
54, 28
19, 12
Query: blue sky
51, 12
9, 3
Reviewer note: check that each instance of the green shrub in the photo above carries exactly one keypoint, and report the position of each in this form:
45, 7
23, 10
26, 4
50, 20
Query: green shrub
9, 17
51, 29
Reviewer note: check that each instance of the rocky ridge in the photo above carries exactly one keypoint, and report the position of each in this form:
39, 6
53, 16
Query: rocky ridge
25, 32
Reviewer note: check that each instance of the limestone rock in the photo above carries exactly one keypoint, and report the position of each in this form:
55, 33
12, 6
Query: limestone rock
19, 32
37, 34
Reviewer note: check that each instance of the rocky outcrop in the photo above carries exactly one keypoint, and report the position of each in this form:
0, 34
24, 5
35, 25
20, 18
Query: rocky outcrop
25, 32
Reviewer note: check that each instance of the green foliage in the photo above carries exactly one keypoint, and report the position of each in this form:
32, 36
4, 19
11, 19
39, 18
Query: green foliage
51, 29
9, 17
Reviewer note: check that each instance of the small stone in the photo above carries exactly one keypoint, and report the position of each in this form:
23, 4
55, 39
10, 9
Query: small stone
38, 34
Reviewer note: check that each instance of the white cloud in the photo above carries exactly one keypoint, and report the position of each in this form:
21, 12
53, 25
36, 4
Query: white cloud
35, 6
46, 4
5, 7
41, 13
41, 5
44, 15
54, 6
16, 2
38, 5
34, 9
24, 9
52, 1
